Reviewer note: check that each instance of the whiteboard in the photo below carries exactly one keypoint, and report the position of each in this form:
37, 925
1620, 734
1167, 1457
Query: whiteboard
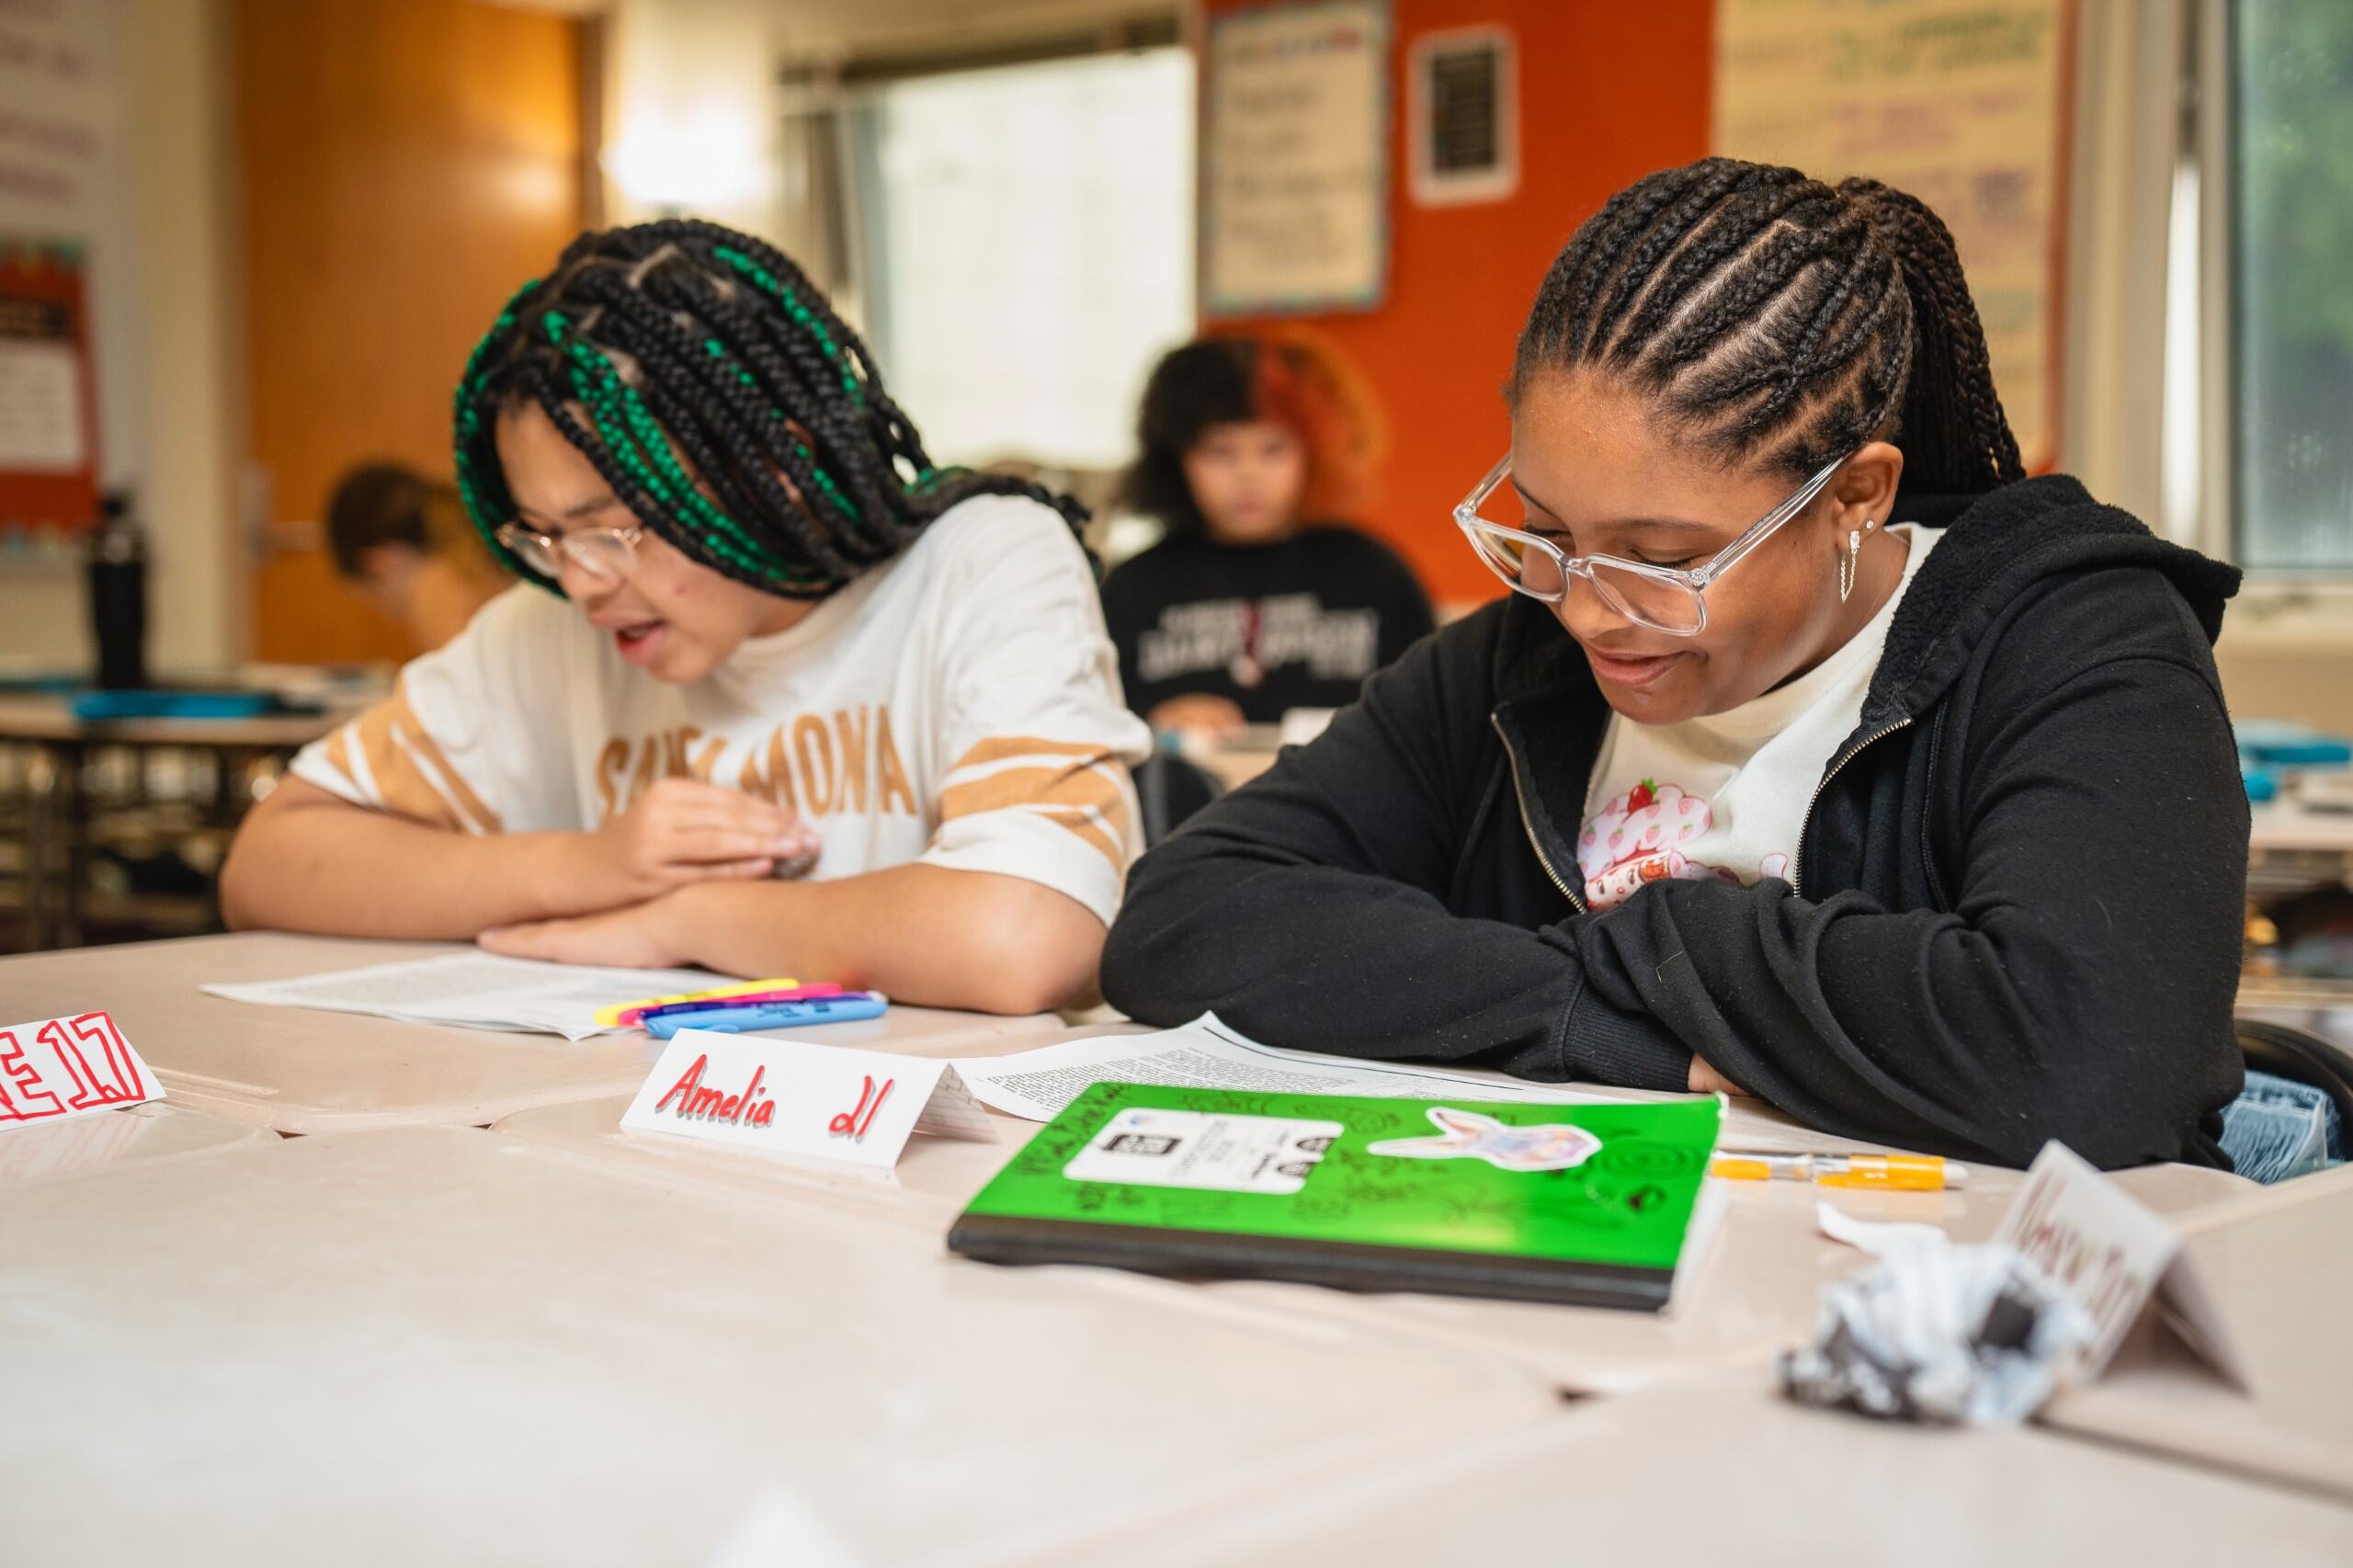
1295, 159
1960, 103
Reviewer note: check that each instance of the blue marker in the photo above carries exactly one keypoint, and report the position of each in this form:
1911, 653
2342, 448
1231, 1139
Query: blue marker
771, 1016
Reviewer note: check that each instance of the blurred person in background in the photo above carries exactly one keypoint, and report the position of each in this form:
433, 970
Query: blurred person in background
404, 543
1261, 598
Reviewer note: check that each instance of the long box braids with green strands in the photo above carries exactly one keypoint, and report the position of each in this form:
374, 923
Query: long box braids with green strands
702, 374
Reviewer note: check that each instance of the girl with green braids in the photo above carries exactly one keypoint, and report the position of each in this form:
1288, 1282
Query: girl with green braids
780, 697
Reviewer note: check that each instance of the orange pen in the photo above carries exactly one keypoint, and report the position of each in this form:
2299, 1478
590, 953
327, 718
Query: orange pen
1888, 1173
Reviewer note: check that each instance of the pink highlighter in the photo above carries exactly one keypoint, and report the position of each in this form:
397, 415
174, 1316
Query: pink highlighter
632, 1016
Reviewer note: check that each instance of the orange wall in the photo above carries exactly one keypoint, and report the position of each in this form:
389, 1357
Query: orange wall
405, 164
1608, 90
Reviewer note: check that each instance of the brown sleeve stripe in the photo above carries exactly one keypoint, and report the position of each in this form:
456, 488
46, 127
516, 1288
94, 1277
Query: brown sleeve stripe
1000, 748
406, 771
1081, 789
420, 740
338, 754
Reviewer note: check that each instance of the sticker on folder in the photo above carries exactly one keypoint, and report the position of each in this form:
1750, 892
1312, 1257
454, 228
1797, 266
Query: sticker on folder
1219, 1152
1468, 1135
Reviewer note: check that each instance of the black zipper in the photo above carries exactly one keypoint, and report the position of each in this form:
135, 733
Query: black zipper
1797, 855
1520, 796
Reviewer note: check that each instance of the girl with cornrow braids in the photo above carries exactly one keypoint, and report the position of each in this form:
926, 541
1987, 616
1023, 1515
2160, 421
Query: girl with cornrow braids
1817, 755
779, 696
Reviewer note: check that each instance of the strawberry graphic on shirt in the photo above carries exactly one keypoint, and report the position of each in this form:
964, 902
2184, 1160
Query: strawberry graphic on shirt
1638, 838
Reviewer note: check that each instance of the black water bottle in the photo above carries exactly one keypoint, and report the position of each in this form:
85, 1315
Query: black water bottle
119, 595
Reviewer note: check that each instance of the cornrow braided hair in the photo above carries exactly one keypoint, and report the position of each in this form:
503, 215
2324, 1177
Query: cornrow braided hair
731, 410
1778, 318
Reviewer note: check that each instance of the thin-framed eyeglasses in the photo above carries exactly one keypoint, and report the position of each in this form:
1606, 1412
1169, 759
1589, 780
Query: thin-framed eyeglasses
1664, 598
608, 555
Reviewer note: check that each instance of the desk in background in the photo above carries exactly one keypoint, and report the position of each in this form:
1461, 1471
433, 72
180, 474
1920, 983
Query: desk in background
58, 805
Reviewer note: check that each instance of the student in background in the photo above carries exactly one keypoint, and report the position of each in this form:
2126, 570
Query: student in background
793, 700
404, 543
1912, 810
1260, 599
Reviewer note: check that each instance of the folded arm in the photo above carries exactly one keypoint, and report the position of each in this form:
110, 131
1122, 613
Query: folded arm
1308, 910
2080, 988
306, 859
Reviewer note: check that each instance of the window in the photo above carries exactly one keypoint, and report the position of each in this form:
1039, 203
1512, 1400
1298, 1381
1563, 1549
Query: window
1024, 242
2290, 214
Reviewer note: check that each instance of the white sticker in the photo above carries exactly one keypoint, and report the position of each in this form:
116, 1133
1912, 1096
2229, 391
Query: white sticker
1219, 1152
1473, 1135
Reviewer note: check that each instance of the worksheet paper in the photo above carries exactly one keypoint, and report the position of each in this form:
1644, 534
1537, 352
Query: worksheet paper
475, 991
1036, 1085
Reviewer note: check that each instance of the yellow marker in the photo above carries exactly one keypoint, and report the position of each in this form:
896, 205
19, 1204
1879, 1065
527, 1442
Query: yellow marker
609, 1016
1890, 1172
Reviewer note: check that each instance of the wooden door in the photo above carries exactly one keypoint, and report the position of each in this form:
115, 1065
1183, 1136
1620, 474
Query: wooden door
404, 164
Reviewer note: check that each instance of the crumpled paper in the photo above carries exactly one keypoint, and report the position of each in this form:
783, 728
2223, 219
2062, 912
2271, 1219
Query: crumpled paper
1934, 1332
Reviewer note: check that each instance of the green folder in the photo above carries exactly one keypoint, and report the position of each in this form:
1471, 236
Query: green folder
1592, 1205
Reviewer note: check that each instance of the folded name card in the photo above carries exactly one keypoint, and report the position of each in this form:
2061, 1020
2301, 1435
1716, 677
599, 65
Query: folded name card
792, 1097
2118, 1259
64, 1067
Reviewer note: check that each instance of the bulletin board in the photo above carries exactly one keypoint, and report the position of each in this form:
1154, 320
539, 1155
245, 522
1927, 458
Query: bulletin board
49, 477
1294, 171
1964, 104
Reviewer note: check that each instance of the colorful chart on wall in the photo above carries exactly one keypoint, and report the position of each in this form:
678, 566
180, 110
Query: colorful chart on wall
47, 462
1294, 173
1962, 103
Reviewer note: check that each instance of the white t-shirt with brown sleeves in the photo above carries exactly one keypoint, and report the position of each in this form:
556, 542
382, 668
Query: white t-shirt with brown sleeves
958, 707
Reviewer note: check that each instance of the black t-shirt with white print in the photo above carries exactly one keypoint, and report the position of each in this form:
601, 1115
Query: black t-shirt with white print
1297, 624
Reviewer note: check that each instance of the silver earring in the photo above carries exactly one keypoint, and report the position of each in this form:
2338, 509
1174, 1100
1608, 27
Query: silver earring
1847, 562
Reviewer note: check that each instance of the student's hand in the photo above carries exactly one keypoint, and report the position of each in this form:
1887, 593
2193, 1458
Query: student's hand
638, 936
684, 830
1706, 1080
1199, 712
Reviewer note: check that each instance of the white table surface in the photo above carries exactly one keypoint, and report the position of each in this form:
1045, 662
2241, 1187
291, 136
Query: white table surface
439, 1345
935, 1178
2280, 1265
1756, 1295
295, 1070
1722, 1471
41, 1151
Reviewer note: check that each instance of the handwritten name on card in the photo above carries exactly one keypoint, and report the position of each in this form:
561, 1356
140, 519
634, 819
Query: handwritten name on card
791, 1096
2116, 1258
64, 1067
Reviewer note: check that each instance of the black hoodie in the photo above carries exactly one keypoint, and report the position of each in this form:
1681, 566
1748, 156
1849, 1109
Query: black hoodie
2014, 915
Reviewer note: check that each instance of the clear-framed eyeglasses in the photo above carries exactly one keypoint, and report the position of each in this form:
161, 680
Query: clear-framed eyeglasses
608, 555
1664, 598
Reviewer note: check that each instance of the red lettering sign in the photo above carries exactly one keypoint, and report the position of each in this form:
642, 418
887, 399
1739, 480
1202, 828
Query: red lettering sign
848, 1123
61, 1066
698, 1102
31, 1100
